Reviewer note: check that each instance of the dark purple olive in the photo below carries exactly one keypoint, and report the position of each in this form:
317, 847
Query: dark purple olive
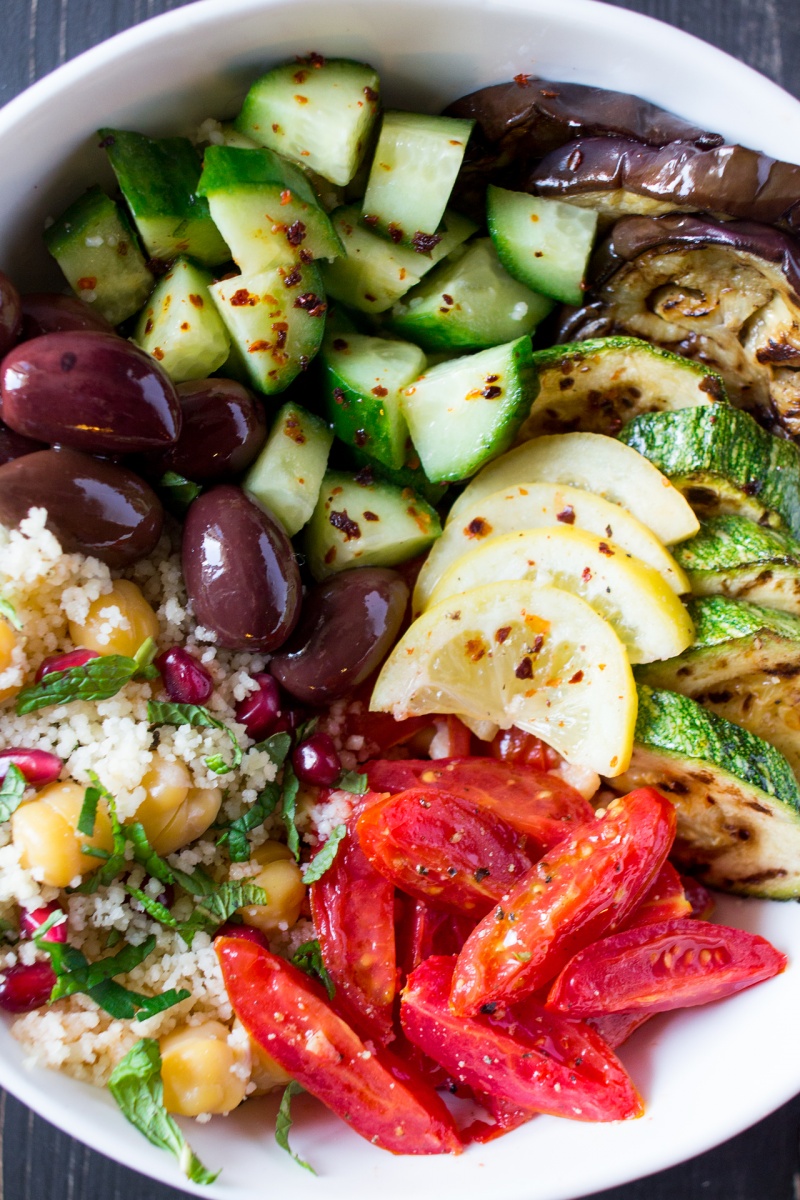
186, 680
14, 445
260, 711
90, 391
316, 761
50, 312
10, 313
93, 507
348, 625
223, 429
240, 570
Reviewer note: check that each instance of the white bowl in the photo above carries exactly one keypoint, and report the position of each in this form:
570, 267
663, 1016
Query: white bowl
705, 1074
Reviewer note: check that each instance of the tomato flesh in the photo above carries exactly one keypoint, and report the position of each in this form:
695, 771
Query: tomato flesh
288, 1016
665, 900
655, 968
523, 1055
516, 746
586, 886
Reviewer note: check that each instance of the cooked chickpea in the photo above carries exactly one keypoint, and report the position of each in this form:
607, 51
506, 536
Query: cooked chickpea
45, 830
8, 641
174, 813
201, 1072
198, 811
282, 881
269, 852
116, 623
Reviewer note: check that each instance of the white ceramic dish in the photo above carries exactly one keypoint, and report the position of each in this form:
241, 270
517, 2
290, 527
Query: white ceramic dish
705, 1074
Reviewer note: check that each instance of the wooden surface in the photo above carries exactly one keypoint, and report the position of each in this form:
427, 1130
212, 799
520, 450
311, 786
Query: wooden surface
39, 1162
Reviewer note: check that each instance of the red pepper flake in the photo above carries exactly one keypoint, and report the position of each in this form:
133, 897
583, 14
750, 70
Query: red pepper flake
339, 344
276, 127
502, 633
538, 642
300, 76
87, 283
369, 296
371, 95
423, 243
242, 297
577, 677
296, 233
281, 329
148, 325
293, 278
524, 669
370, 516
301, 99
368, 219
478, 527
257, 347
604, 548
491, 392
105, 142
196, 300
395, 232
330, 555
566, 516
566, 383
447, 298
341, 521
361, 437
315, 60
286, 197
380, 390
522, 80
311, 302
294, 430
365, 477
339, 395
586, 574
158, 353
122, 248
476, 649
185, 325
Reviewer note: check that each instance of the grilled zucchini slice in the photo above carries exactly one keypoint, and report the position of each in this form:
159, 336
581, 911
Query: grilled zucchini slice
734, 556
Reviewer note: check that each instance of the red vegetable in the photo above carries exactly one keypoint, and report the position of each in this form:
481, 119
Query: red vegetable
699, 897
677, 964
665, 900
585, 887
532, 1058
525, 749
285, 1012
425, 929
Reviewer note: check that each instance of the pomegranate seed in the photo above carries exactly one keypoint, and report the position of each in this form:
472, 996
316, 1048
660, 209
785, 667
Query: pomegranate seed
23, 988
260, 711
38, 766
32, 919
242, 931
63, 662
187, 681
316, 761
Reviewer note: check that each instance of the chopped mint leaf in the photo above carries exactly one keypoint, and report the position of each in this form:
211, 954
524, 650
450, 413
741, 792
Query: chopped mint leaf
8, 611
178, 489
291, 786
216, 908
236, 834
353, 781
113, 939
98, 679
151, 1005
154, 908
166, 713
283, 1124
144, 657
91, 798
145, 855
277, 747
308, 958
12, 789
305, 730
136, 1086
114, 862
319, 864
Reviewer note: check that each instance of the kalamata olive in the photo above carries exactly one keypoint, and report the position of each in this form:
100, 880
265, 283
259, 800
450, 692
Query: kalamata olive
91, 391
32, 919
316, 761
223, 429
14, 445
26, 986
10, 313
51, 312
240, 570
38, 766
259, 711
64, 662
185, 679
348, 625
93, 507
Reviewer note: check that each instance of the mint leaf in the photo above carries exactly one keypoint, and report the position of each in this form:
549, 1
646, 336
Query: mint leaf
151, 1005
236, 834
154, 908
353, 781
114, 862
8, 611
136, 1086
12, 789
98, 679
291, 786
178, 489
308, 958
166, 713
283, 1123
277, 747
319, 864
145, 855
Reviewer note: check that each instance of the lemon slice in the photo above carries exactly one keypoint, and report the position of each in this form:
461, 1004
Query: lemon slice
640, 607
598, 464
517, 654
535, 505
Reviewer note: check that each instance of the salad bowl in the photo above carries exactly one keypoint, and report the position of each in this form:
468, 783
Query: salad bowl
704, 1074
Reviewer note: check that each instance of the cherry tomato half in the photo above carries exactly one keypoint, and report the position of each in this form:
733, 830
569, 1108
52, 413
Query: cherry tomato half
665, 900
586, 886
286, 1013
525, 749
678, 964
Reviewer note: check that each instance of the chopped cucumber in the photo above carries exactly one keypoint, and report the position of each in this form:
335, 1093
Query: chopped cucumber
544, 243
735, 557
373, 272
276, 320
469, 301
266, 209
723, 462
409, 475
737, 798
93, 243
287, 475
361, 521
415, 165
180, 325
158, 178
317, 111
466, 411
601, 384
363, 381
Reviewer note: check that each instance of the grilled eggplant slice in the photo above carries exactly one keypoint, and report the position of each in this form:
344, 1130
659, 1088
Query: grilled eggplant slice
733, 556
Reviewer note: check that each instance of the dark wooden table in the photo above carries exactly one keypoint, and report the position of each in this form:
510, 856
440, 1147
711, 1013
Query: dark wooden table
37, 1161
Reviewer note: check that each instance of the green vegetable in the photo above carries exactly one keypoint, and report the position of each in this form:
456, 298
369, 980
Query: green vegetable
8, 611
166, 713
283, 1124
98, 679
308, 958
319, 864
136, 1086
291, 786
236, 834
178, 490
353, 781
12, 789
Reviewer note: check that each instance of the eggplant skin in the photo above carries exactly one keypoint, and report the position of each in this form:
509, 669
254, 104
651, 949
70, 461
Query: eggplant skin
730, 181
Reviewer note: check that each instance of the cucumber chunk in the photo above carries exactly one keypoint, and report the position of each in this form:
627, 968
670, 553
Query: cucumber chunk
158, 178
463, 412
409, 475
723, 462
96, 248
735, 557
414, 168
287, 475
266, 209
737, 798
363, 380
469, 301
544, 243
601, 384
276, 321
373, 272
361, 521
319, 112
180, 325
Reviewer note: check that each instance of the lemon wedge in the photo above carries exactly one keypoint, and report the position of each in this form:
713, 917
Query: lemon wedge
536, 505
517, 654
640, 607
595, 463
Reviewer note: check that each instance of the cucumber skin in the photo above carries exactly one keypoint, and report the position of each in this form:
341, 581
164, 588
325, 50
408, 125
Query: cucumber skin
409, 475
